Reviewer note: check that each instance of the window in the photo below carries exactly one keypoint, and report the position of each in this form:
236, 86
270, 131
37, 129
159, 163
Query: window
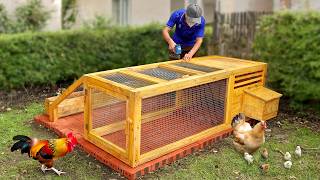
120, 10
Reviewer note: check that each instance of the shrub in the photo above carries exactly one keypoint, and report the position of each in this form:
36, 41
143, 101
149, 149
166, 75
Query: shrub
4, 20
69, 13
289, 42
31, 16
47, 57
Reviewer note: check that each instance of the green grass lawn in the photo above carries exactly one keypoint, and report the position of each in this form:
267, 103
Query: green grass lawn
225, 164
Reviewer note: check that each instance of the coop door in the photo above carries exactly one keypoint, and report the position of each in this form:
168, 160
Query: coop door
108, 116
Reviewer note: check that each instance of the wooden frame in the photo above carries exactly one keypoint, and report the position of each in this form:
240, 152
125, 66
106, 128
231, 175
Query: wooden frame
241, 75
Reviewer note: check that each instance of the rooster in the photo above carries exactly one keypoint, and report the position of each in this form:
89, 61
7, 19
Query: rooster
250, 140
45, 151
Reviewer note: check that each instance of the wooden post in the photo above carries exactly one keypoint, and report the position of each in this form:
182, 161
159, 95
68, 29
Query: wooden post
87, 111
229, 99
134, 128
215, 36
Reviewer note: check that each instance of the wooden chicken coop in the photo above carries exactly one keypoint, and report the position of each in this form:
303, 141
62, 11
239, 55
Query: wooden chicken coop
138, 114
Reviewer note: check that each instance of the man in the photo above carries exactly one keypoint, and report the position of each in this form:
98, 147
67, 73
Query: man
189, 31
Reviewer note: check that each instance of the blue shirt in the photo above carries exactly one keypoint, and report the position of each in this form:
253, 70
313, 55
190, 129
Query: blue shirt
185, 35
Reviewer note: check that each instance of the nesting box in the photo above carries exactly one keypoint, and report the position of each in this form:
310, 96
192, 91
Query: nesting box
261, 103
138, 114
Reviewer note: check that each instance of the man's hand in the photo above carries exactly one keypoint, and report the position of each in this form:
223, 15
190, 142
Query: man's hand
172, 46
187, 56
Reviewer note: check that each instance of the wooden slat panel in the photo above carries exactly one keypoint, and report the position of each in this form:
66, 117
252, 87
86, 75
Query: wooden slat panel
248, 82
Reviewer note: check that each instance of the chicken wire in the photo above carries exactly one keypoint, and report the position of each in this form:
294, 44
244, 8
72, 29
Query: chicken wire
173, 116
196, 67
162, 73
127, 80
109, 111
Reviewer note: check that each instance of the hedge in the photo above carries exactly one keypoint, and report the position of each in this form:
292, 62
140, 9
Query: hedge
290, 43
48, 57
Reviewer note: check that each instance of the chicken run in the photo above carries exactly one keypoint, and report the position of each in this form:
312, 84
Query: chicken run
137, 119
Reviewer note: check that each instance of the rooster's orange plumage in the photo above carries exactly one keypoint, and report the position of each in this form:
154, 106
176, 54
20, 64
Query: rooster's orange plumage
45, 151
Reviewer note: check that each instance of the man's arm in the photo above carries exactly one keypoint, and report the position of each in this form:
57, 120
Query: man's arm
194, 49
168, 39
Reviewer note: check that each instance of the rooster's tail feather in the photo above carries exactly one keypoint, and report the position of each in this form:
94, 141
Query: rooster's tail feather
24, 144
21, 137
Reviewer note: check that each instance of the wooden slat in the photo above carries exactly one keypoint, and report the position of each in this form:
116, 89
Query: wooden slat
87, 111
183, 142
143, 76
118, 88
52, 107
248, 82
134, 124
111, 128
264, 74
229, 95
109, 147
240, 90
181, 69
255, 74
183, 83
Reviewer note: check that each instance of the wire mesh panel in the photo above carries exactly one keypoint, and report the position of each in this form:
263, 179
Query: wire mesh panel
127, 80
162, 73
108, 116
196, 67
170, 117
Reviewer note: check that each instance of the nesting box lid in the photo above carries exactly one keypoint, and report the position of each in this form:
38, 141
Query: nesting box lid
263, 93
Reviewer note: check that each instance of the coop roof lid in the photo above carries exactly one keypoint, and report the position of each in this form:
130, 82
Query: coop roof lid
263, 93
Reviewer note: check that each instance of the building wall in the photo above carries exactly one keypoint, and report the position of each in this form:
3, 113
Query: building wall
54, 6
297, 5
147, 11
228, 6
88, 10
176, 4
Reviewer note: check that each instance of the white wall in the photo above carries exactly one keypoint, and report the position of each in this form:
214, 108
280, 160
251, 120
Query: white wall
228, 6
298, 5
88, 10
177, 4
54, 6
147, 11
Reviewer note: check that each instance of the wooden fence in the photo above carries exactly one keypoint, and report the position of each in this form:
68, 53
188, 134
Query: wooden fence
233, 33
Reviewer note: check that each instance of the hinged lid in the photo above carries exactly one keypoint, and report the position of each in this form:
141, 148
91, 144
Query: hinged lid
263, 93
